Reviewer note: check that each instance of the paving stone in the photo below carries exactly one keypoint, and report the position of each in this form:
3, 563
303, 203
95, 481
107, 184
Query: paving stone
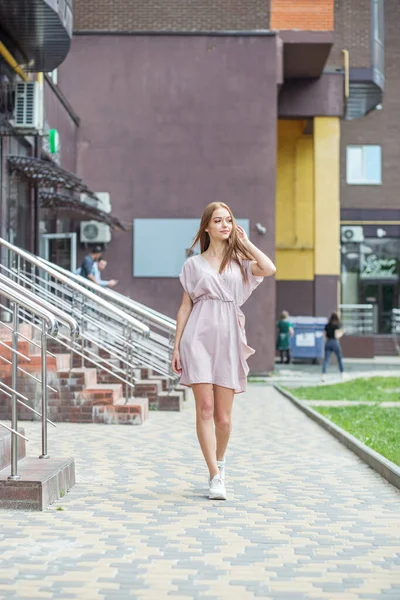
307, 521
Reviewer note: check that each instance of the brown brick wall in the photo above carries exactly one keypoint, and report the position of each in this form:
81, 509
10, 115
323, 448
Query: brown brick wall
352, 33
170, 15
379, 127
307, 15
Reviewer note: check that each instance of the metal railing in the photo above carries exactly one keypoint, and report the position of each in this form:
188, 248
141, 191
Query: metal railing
118, 334
357, 319
160, 325
22, 306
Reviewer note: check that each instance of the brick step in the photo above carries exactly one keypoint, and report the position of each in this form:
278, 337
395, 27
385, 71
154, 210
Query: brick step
78, 376
102, 393
133, 412
5, 447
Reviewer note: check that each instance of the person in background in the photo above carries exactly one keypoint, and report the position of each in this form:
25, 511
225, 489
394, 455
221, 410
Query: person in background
86, 269
99, 266
333, 333
284, 331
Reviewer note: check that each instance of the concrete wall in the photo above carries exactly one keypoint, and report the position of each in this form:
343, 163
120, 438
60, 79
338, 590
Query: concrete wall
169, 124
58, 117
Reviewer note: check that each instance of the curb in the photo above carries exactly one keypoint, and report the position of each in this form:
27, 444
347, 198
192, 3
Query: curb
376, 461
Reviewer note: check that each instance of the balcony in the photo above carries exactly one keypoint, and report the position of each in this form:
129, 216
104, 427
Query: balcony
37, 32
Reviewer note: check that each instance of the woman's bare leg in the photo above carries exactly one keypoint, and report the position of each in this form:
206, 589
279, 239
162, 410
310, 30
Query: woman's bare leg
203, 394
223, 401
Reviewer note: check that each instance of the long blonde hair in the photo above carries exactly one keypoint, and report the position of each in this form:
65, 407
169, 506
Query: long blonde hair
235, 250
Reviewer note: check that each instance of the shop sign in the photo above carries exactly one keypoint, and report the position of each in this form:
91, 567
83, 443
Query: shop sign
379, 268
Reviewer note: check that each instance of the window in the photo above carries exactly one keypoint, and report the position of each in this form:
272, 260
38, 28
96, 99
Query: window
364, 165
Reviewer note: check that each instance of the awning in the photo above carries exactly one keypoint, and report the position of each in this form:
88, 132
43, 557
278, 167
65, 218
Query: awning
47, 174
61, 185
65, 202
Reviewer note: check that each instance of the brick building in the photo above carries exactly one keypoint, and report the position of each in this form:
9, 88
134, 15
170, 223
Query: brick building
168, 106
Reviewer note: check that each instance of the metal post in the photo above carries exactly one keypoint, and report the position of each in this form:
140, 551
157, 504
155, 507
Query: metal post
44, 391
128, 367
14, 407
83, 328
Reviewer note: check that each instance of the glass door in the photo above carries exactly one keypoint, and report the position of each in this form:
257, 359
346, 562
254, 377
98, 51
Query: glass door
60, 249
384, 296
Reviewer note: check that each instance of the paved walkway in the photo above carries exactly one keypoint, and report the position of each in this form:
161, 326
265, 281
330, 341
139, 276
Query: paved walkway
308, 374
306, 519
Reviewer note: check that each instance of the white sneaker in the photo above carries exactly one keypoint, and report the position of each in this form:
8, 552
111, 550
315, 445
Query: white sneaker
221, 466
323, 377
217, 489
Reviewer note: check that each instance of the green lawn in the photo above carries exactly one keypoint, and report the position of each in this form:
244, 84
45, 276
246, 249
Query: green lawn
378, 428
376, 389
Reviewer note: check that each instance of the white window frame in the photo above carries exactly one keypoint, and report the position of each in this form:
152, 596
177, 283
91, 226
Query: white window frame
363, 180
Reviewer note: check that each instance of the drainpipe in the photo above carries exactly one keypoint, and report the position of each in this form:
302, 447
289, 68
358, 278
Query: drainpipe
8, 57
37, 154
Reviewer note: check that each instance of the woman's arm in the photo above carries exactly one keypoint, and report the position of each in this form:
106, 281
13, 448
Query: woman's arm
263, 266
183, 314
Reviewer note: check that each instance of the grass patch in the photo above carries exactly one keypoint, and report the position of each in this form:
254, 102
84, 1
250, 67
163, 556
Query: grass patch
375, 389
378, 428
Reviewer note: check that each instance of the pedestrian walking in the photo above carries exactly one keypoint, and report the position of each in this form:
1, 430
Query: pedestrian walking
211, 350
333, 333
86, 269
285, 332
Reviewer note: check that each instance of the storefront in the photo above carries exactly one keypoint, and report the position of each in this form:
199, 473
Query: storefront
370, 270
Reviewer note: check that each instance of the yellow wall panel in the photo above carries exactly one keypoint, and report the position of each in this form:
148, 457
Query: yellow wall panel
327, 195
295, 202
294, 265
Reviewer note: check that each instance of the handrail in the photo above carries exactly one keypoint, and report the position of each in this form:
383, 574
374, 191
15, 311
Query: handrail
137, 325
10, 392
124, 301
43, 313
61, 315
14, 431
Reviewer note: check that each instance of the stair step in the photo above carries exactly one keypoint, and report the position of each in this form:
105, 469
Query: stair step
43, 481
134, 412
171, 401
103, 393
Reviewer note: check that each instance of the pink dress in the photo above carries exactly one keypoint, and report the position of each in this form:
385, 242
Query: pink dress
213, 347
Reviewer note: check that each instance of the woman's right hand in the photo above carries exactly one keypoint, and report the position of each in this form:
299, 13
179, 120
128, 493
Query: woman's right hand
176, 362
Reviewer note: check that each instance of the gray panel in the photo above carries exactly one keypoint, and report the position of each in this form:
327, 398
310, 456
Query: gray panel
160, 245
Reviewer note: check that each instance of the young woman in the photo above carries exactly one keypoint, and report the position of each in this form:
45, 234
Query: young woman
210, 346
333, 333
285, 331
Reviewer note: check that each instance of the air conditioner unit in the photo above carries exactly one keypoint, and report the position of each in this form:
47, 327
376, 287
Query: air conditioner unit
103, 203
352, 234
28, 113
93, 232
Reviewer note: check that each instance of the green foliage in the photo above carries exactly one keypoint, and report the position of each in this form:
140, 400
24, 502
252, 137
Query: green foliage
376, 427
374, 389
